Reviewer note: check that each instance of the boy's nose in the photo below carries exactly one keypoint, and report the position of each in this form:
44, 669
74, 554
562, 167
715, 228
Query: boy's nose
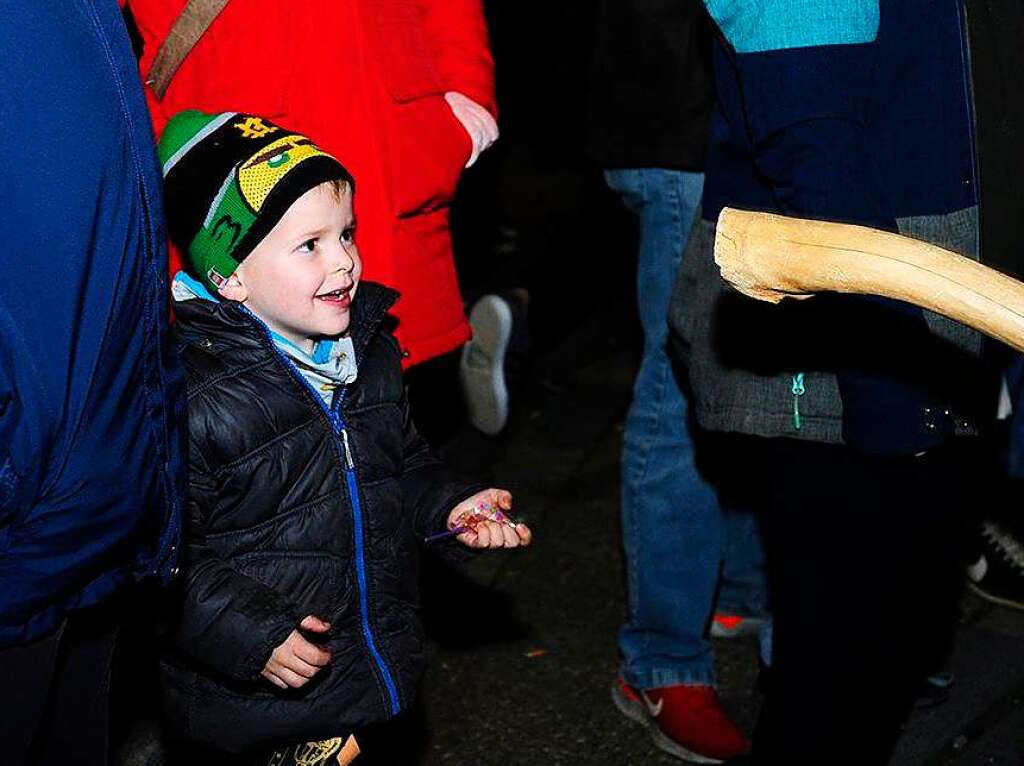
344, 260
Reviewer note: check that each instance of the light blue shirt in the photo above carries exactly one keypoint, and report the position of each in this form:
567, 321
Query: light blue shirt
331, 366
754, 26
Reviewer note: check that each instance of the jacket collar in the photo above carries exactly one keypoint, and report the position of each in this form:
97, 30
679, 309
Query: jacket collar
227, 322
369, 311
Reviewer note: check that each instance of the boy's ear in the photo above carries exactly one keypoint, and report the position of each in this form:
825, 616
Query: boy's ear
233, 289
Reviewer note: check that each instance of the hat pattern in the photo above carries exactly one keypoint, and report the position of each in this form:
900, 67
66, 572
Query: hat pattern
228, 180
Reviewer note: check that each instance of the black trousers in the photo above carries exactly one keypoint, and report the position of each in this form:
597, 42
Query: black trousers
865, 569
56, 694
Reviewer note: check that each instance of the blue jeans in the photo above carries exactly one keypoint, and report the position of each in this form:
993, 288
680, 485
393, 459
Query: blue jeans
674, 533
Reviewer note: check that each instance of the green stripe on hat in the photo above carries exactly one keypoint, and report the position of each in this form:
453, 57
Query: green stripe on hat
185, 130
228, 221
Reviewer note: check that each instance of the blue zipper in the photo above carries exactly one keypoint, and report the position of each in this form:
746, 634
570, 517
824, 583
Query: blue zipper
339, 429
364, 607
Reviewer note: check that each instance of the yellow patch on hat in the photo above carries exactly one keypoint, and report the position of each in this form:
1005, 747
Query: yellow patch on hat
258, 175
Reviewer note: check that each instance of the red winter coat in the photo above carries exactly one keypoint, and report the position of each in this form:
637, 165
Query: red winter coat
366, 80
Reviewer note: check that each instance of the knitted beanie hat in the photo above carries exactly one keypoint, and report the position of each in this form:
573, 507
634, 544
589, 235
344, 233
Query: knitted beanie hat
228, 179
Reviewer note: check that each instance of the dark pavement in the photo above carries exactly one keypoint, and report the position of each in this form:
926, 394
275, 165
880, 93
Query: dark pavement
545, 618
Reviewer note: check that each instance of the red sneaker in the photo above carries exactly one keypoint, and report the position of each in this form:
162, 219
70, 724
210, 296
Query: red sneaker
685, 721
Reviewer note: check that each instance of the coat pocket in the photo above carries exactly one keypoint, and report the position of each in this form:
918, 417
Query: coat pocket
430, 149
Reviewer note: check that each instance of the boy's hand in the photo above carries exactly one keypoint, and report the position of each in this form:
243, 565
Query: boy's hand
297, 660
477, 121
488, 532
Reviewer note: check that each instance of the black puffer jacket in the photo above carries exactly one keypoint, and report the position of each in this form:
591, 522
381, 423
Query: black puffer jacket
280, 528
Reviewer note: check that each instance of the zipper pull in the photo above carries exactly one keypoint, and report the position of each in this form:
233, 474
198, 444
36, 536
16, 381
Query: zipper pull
798, 391
348, 451
336, 423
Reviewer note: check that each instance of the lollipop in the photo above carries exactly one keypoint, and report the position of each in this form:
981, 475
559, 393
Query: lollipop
470, 520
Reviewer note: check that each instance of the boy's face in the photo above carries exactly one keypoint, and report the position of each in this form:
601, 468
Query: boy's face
302, 277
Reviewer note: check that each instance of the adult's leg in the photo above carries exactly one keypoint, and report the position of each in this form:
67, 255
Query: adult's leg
76, 726
670, 517
743, 585
864, 561
27, 672
742, 589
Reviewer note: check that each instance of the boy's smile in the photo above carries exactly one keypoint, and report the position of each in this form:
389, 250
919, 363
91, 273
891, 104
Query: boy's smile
342, 297
302, 277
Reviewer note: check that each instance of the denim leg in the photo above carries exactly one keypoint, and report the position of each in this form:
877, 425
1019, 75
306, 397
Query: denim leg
743, 590
743, 587
670, 517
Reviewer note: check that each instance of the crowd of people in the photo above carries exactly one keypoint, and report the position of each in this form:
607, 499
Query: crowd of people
239, 216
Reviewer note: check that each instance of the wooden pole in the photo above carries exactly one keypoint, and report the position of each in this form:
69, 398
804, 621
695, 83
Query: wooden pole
771, 257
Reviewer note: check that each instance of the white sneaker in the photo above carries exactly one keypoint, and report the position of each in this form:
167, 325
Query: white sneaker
998, 574
482, 370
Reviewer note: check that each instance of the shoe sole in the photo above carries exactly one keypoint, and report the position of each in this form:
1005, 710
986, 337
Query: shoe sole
635, 712
942, 680
994, 599
484, 387
750, 626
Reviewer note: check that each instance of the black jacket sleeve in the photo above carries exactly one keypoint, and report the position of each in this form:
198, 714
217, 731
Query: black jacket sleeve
429, 487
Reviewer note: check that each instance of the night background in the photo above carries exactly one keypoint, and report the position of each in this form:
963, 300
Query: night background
524, 641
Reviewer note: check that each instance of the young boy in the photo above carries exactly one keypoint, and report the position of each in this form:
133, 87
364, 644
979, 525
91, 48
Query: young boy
309, 488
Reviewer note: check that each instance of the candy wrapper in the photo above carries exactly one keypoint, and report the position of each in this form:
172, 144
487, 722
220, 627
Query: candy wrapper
470, 520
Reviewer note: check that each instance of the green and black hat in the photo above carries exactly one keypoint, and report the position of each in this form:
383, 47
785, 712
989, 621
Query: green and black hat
228, 179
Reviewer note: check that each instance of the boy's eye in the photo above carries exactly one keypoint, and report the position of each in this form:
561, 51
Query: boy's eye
349, 235
308, 246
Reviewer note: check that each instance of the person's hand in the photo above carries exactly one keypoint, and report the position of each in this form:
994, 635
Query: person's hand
485, 515
297, 660
477, 121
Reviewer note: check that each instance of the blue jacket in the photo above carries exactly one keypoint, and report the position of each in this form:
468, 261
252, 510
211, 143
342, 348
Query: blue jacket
846, 110
91, 397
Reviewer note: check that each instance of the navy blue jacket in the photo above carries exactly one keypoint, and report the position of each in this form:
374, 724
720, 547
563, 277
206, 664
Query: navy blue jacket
857, 111
91, 397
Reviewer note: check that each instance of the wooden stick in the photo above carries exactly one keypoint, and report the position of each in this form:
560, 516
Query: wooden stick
771, 257
349, 751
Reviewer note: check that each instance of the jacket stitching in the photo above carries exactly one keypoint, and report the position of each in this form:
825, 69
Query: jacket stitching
362, 408
264, 447
233, 372
277, 518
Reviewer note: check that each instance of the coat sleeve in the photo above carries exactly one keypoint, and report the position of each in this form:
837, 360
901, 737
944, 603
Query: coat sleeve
807, 111
224, 619
457, 33
429, 488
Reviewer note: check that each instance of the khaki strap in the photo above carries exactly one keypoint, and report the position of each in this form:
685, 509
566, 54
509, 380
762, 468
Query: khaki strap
193, 22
